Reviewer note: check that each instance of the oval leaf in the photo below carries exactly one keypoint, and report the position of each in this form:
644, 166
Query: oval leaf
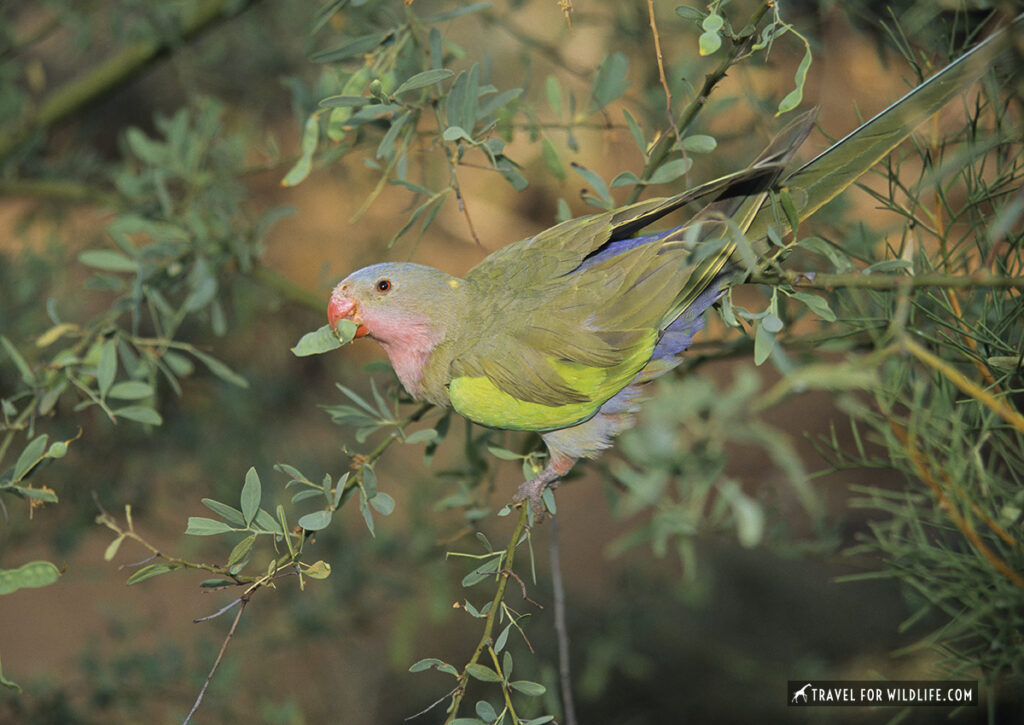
315, 521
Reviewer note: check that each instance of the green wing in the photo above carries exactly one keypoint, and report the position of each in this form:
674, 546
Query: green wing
560, 329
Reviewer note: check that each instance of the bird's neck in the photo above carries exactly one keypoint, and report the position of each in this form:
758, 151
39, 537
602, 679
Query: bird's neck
409, 347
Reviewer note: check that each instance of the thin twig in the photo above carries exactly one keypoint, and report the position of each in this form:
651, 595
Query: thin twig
561, 628
522, 586
996, 405
920, 463
814, 280
664, 145
433, 704
219, 612
220, 655
661, 72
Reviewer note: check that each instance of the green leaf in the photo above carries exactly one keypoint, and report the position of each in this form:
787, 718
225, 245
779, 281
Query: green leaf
369, 480
111, 551
130, 390
502, 640
820, 246
552, 159
202, 526
486, 711
700, 143
229, 513
454, 133
611, 81
764, 343
9, 684
426, 78
27, 375
889, 265
626, 178
221, 370
383, 504
689, 13
252, 492
533, 689
427, 435
216, 583
456, 13
670, 171
367, 514
708, 43
265, 522
241, 550
548, 497
106, 369
794, 97
31, 575
359, 46
345, 102
553, 91
140, 414
29, 457
817, 305
427, 663
315, 521
317, 570
772, 323
596, 183
713, 23
302, 167
634, 129
148, 572
108, 260
504, 454
38, 494
325, 339
482, 673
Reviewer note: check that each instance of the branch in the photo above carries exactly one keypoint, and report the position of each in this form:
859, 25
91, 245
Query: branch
561, 627
664, 145
814, 280
111, 73
492, 614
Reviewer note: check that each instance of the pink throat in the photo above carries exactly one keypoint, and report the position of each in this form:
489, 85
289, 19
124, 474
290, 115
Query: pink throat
408, 344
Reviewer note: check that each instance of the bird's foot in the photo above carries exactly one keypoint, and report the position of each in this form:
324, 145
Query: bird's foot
533, 491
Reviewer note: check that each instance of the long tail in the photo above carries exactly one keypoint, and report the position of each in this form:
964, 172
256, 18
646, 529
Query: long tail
822, 178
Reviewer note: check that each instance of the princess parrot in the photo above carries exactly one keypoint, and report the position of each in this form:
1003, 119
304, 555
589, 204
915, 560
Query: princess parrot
561, 333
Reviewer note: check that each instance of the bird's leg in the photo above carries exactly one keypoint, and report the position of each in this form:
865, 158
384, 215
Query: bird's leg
551, 476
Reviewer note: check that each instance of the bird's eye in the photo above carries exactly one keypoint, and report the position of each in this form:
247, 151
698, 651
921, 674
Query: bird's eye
383, 285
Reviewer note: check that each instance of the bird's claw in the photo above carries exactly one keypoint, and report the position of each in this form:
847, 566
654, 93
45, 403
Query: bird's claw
533, 491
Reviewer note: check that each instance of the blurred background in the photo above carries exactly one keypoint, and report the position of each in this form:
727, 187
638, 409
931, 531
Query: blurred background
705, 624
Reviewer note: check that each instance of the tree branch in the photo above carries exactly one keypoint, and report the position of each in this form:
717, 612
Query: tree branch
111, 73
664, 145
814, 280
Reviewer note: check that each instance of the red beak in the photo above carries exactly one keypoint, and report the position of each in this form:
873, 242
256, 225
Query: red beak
345, 308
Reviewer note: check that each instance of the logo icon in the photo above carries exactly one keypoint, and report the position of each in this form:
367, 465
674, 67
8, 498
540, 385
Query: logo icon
802, 692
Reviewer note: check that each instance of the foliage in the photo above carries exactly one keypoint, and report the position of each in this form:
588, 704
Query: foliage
925, 373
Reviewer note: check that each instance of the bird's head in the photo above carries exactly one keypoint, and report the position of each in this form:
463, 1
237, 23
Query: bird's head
397, 303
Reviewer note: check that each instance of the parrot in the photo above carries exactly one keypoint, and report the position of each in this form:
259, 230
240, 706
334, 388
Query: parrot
562, 333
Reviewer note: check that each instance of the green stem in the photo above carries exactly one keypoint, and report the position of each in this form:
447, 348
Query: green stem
492, 613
